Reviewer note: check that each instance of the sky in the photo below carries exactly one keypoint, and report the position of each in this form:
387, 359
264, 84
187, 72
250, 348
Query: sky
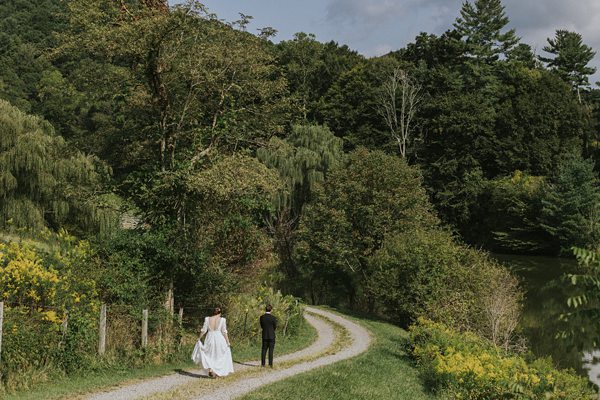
374, 27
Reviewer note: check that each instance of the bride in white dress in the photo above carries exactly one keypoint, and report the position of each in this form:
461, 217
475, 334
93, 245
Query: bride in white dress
215, 354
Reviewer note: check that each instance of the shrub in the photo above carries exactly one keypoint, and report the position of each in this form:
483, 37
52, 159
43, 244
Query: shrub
243, 312
466, 366
44, 294
426, 273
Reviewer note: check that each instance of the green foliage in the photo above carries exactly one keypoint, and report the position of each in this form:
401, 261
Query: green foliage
570, 205
410, 269
571, 58
474, 137
366, 199
244, 310
226, 207
349, 107
43, 183
26, 31
51, 304
131, 267
513, 207
188, 84
303, 160
582, 316
481, 23
464, 366
426, 273
311, 67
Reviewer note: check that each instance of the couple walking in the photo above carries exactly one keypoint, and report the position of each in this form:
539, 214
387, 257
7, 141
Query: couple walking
215, 353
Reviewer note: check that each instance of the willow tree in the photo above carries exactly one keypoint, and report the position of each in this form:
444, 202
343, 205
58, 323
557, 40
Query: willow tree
303, 160
42, 182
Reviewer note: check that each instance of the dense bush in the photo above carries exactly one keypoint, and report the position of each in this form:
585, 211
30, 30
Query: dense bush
465, 366
426, 273
51, 291
243, 312
51, 310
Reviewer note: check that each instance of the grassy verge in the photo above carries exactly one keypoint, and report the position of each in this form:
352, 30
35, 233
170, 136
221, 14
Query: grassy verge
383, 372
74, 387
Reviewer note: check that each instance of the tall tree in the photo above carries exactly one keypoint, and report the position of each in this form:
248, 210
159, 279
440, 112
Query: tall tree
571, 58
367, 198
301, 58
481, 24
571, 206
311, 67
303, 160
350, 105
399, 101
195, 84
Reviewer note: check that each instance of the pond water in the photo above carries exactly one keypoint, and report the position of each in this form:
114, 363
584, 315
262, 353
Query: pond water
546, 299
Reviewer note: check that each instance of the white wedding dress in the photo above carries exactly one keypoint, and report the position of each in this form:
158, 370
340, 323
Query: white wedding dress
214, 353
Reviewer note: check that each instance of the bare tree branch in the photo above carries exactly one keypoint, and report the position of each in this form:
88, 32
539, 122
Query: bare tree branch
400, 88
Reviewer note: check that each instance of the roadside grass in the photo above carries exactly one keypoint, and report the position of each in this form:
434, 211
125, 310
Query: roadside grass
383, 372
77, 386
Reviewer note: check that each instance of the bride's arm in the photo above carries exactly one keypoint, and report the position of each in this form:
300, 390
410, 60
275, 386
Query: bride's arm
204, 328
224, 331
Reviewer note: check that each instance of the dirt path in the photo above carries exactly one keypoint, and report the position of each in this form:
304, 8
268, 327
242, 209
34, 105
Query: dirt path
232, 388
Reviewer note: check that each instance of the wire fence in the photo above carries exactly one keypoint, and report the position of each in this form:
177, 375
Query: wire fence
119, 328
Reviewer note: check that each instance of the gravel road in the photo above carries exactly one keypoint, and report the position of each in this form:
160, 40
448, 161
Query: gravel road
326, 335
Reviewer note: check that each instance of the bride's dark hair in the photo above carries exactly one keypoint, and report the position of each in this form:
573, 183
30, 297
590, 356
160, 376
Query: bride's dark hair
217, 311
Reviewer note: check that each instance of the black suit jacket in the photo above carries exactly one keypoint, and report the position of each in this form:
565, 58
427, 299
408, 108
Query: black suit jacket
268, 323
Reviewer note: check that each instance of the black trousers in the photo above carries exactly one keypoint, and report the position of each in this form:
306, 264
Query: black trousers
267, 344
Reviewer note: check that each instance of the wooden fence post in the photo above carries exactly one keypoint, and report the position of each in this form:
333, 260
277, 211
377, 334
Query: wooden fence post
287, 319
1, 321
102, 334
63, 329
180, 327
144, 328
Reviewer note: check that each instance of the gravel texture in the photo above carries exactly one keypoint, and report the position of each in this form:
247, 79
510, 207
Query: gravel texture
360, 343
326, 335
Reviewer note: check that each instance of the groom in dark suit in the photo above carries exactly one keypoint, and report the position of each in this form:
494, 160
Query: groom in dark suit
268, 323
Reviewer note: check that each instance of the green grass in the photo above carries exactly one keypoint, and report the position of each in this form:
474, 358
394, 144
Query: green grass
383, 372
74, 387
